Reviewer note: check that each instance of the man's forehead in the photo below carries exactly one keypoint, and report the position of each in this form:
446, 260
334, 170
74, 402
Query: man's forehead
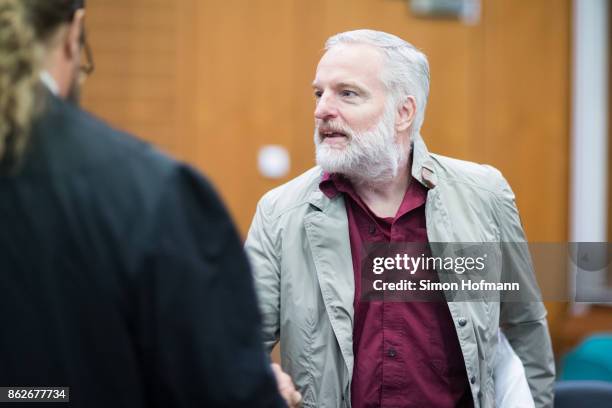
351, 62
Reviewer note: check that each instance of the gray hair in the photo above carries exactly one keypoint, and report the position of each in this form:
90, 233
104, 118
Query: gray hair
406, 71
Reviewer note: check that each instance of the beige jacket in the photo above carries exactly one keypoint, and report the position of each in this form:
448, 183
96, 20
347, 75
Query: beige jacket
299, 248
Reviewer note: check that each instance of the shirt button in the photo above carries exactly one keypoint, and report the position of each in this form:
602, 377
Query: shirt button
372, 229
391, 352
473, 379
479, 394
462, 321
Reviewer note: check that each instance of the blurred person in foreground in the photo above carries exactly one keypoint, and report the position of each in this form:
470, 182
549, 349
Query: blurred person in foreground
376, 183
122, 275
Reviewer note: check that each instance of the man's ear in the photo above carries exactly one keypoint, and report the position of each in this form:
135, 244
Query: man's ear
405, 114
72, 42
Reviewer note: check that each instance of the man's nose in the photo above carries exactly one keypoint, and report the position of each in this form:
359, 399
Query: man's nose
326, 108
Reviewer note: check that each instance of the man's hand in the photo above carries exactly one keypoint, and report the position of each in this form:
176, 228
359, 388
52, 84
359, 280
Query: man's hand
286, 388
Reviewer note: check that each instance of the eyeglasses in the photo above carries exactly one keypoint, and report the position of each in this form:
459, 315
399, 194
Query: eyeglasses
87, 66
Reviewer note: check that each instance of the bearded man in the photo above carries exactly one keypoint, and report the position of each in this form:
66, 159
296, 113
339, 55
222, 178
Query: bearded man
375, 182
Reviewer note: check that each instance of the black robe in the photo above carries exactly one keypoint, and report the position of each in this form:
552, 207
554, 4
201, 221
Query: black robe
122, 276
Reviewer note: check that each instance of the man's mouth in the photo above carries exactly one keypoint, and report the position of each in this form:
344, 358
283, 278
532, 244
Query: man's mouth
332, 134
334, 138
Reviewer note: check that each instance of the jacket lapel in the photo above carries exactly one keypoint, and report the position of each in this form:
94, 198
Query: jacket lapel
439, 226
436, 214
328, 238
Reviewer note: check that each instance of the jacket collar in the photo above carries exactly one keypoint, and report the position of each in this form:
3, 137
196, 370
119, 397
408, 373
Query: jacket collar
423, 168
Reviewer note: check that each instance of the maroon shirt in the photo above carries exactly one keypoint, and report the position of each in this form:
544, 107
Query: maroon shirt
407, 354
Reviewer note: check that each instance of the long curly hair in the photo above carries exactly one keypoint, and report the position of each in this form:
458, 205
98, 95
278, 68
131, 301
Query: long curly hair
26, 27
20, 58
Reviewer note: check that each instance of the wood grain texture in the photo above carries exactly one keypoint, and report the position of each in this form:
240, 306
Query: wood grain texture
213, 81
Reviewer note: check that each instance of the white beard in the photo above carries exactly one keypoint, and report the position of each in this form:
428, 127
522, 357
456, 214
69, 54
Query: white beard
369, 157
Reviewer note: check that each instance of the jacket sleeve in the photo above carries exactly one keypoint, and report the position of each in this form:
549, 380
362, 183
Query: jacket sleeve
264, 255
196, 312
523, 320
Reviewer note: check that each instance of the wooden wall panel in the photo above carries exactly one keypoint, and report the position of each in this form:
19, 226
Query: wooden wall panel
211, 81
243, 94
526, 108
135, 47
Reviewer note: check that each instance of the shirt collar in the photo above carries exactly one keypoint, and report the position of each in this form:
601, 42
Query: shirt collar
333, 184
49, 82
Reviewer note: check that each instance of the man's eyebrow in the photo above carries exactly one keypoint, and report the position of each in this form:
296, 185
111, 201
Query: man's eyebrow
344, 84
349, 84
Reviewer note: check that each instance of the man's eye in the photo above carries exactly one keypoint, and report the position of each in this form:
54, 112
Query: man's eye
318, 94
347, 93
